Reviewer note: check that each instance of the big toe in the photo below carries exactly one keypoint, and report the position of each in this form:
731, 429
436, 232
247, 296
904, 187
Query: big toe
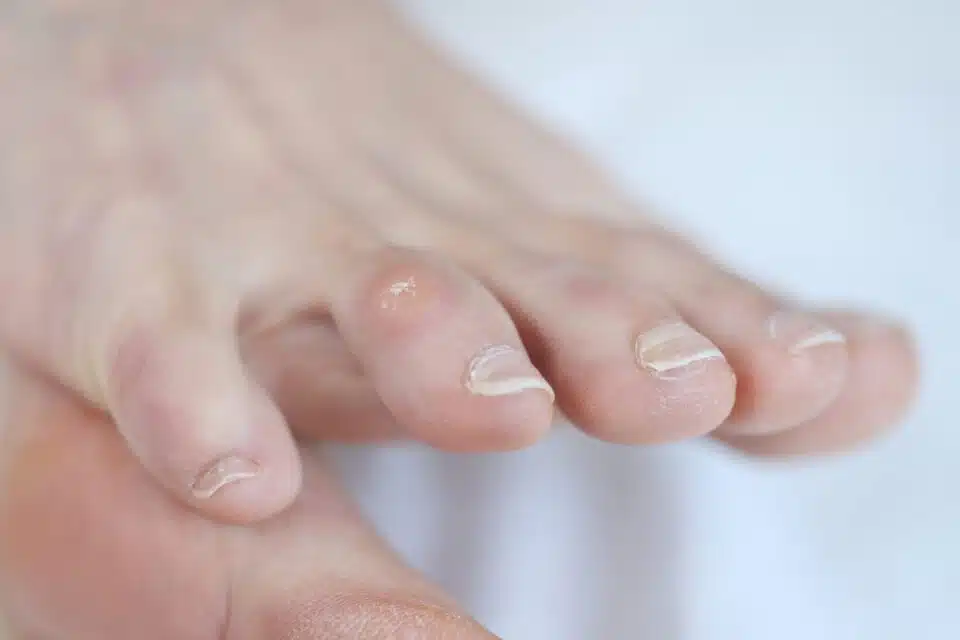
880, 385
790, 363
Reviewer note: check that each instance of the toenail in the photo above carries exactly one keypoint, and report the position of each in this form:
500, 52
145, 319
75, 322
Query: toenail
502, 370
675, 351
225, 471
802, 331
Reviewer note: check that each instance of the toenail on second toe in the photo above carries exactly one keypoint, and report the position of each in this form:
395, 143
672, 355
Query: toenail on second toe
800, 332
675, 351
502, 370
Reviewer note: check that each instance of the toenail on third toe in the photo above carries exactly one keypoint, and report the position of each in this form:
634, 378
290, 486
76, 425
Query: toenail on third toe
675, 351
801, 332
502, 370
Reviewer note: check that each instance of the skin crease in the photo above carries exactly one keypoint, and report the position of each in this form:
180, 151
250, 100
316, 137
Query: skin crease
83, 528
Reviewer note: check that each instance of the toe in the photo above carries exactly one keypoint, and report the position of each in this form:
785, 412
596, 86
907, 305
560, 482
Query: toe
625, 365
81, 525
441, 351
790, 364
184, 402
880, 385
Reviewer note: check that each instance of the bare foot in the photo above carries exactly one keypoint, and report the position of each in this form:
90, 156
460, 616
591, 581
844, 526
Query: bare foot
204, 203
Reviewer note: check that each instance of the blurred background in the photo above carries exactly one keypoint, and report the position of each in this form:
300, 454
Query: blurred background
817, 146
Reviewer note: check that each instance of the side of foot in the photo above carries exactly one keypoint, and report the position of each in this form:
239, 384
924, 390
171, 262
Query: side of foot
315, 167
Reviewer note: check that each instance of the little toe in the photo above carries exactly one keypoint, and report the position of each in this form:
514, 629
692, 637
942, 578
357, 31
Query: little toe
441, 351
790, 364
880, 386
625, 365
182, 398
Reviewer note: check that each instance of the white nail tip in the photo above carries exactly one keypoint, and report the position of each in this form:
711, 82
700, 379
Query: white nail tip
828, 336
493, 372
667, 365
806, 332
670, 350
509, 386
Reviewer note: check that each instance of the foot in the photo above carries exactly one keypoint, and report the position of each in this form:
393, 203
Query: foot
221, 220
91, 549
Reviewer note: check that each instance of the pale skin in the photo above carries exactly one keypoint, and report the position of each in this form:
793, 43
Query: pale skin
225, 225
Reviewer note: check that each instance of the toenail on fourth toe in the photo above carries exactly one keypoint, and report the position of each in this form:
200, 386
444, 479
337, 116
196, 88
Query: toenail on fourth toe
675, 351
801, 332
502, 370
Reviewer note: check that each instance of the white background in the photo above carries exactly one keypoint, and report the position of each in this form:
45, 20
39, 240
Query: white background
817, 145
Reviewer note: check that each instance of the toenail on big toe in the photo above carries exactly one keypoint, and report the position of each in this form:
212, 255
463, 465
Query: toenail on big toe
792, 379
800, 332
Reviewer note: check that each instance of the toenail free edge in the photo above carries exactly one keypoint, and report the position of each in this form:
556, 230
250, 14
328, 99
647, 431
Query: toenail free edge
502, 370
